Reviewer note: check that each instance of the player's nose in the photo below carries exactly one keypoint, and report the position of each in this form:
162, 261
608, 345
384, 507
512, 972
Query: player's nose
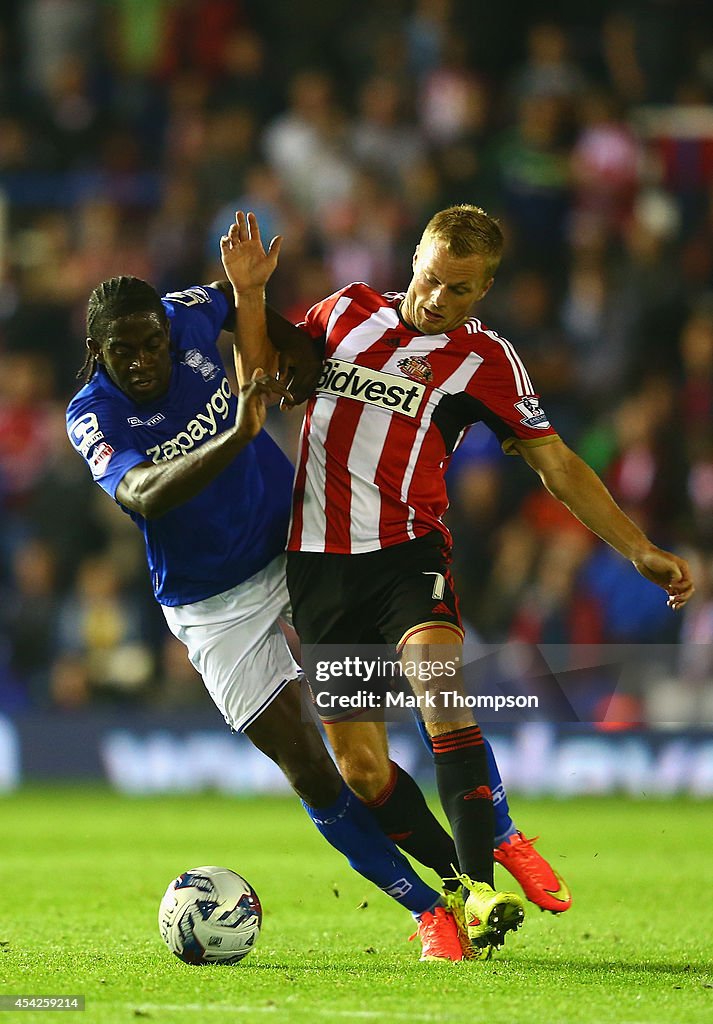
141, 358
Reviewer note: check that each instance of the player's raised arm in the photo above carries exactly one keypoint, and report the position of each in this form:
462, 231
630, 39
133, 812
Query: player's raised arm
578, 487
248, 268
277, 343
152, 489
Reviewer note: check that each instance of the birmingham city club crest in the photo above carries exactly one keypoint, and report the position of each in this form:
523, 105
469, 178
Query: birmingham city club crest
200, 364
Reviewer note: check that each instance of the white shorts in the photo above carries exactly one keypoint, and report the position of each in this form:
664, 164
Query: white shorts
234, 640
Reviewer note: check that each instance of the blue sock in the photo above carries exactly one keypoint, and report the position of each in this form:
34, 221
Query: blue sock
503, 823
504, 826
349, 827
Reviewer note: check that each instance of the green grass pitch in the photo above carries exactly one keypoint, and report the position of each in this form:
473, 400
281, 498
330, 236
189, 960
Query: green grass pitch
83, 871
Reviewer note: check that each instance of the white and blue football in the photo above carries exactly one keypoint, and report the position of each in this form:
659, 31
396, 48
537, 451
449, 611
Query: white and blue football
210, 915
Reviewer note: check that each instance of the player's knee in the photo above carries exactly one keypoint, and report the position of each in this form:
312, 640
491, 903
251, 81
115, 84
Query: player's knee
365, 772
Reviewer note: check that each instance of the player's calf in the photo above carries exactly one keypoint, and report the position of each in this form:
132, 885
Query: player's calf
297, 748
361, 751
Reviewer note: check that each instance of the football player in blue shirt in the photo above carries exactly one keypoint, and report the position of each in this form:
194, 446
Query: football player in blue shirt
164, 435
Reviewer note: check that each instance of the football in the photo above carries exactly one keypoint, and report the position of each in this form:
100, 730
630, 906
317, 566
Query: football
210, 915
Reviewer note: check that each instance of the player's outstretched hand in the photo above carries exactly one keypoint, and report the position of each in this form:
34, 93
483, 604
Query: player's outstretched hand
252, 402
669, 572
246, 263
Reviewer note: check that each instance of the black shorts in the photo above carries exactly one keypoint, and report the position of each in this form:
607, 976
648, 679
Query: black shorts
378, 597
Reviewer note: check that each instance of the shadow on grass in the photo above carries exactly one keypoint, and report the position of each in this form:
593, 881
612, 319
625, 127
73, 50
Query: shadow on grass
698, 970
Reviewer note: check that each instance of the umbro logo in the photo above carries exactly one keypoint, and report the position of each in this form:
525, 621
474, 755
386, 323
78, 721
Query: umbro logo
152, 421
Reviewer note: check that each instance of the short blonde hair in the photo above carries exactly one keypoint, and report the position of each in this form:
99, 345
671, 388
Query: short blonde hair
467, 230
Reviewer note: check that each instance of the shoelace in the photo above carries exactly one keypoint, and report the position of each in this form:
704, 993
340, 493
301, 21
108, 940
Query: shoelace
523, 848
524, 841
424, 922
421, 921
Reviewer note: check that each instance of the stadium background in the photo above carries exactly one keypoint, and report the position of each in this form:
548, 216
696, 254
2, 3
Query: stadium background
131, 130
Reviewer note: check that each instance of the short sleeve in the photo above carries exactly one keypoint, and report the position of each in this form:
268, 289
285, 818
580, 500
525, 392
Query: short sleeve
317, 319
197, 315
96, 432
504, 387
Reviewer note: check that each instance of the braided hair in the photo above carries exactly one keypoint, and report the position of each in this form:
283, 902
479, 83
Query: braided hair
117, 297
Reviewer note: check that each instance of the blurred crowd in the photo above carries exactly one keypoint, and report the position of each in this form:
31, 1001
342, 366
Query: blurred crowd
131, 131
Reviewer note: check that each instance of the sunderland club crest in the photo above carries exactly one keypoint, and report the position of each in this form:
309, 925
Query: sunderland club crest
417, 368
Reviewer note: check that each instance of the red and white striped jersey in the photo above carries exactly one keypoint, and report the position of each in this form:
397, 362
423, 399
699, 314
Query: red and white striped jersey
390, 408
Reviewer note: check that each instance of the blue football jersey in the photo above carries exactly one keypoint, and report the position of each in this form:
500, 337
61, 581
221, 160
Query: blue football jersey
238, 523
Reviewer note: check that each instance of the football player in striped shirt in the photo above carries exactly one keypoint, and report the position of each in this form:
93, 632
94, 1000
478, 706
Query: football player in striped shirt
403, 378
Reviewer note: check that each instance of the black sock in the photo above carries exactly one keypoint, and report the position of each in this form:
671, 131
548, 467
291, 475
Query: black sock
464, 789
403, 814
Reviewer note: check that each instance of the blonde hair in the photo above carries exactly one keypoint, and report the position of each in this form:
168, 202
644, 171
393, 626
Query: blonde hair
467, 230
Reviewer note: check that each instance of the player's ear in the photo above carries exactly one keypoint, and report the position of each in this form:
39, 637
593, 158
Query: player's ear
95, 349
415, 257
486, 289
